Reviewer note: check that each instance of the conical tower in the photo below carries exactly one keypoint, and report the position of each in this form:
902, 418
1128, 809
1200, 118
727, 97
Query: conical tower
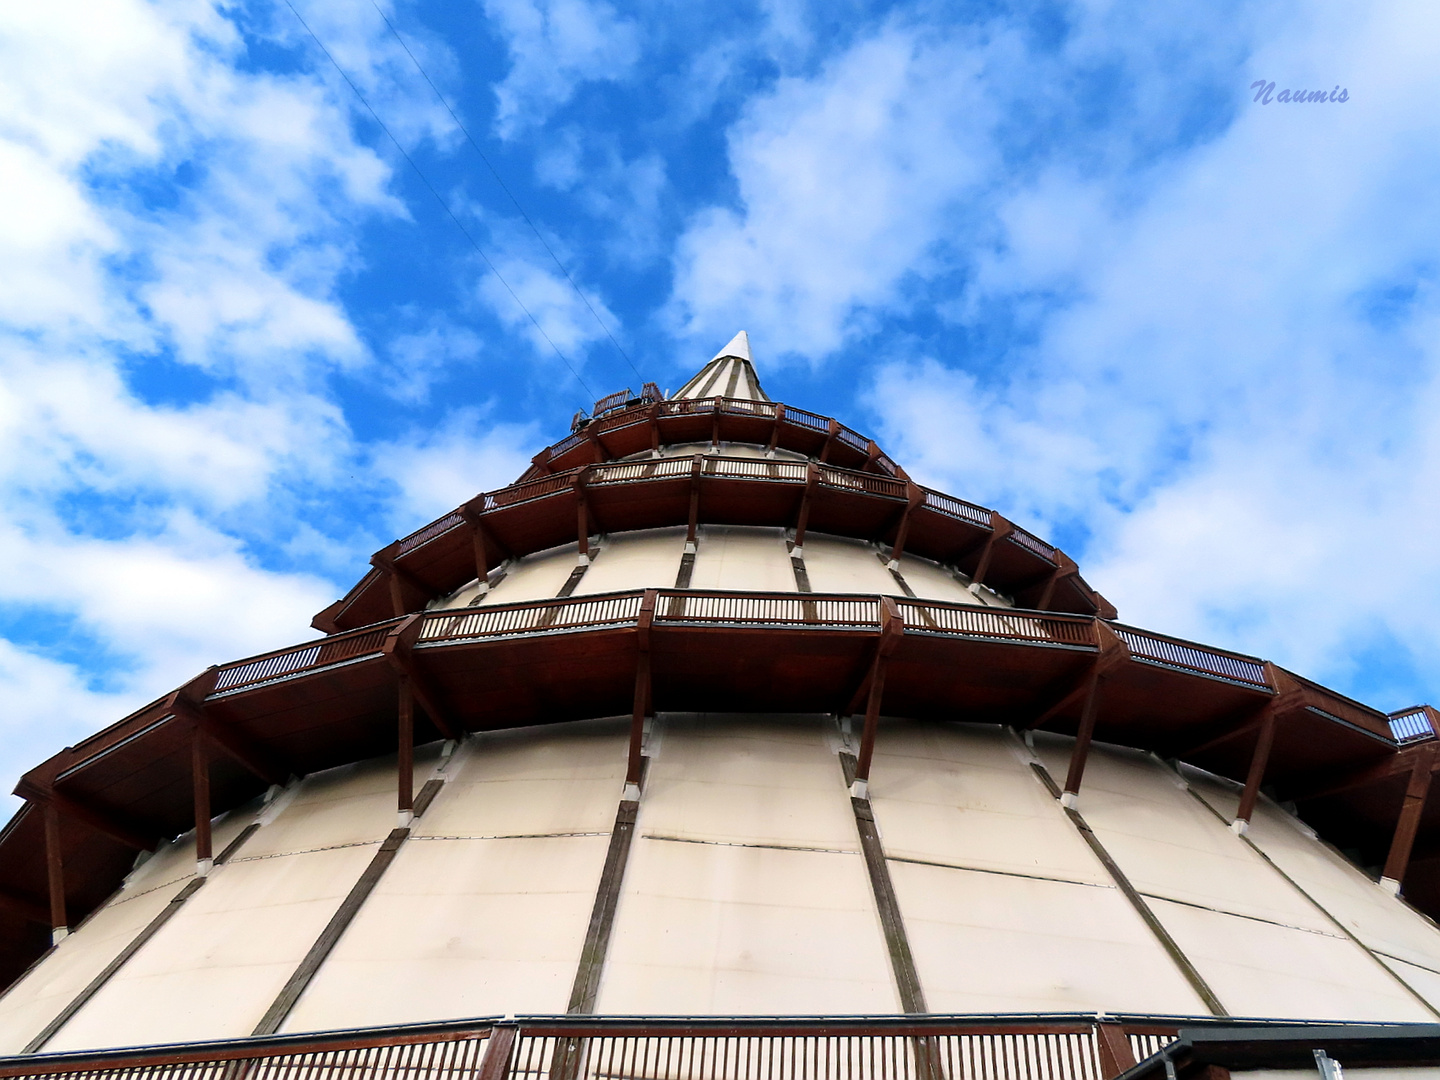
715, 712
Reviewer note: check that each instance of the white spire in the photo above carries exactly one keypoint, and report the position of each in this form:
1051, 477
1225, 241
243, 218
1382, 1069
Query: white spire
739, 347
730, 374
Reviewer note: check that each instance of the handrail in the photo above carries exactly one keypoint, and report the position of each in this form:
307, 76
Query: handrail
963, 620
570, 613
1032, 543
955, 508
424, 535
1186, 655
1412, 725
347, 646
813, 610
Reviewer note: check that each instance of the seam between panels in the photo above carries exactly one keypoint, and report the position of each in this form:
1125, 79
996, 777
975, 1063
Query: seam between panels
1424, 1003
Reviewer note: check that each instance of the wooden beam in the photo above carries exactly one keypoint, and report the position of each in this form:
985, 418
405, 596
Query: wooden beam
396, 575
582, 516
256, 759
1259, 759
25, 909
1408, 823
1397, 764
1112, 653
715, 423
802, 519
655, 429
1065, 569
914, 497
1081, 750
697, 465
642, 699
832, 431
892, 630
200, 788
775, 429
1115, 1053
999, 530
399, 651
103, 819
55, 873
405, 753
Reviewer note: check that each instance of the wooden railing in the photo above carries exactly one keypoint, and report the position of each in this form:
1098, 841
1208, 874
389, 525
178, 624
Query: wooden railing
955, 508
1046, 1047
1413, 725
810, 610
870, 483
439, 527
571, 613
958, 620
281, 663
1033, 544
1187, 656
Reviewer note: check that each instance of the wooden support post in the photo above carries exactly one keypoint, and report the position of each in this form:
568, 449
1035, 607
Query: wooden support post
582, 516
697, 465
1081, 750
655, 429
999, 530
1413, 808
1115, 1053
812, 481
200, 783
872, 455
915, 495
715, 423
496, 1063
642, 701
1065, 568
1258, 760
832, 431
55, 874
892, 629
775, 430
395, 577
405, 766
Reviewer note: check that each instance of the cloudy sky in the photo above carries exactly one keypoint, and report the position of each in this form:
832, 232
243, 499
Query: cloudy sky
262, 277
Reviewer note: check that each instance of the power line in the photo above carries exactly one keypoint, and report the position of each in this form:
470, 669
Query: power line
505, 188
444, 205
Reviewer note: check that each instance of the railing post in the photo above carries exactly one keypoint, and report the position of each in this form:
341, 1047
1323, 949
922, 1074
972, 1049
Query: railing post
501, 1044
55, 873
200, 783
1114, 1049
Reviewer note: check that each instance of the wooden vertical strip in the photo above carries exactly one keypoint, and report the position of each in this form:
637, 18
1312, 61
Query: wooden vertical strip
498, 1050
405, 765
1168, 943
55, 871
872, 719
586, 988
1258, 761
349, 908
1411, 810
637, 717
200, 782
1115, 1053
1081, 750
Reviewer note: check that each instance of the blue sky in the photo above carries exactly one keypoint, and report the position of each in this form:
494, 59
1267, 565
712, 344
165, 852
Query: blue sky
1052, 255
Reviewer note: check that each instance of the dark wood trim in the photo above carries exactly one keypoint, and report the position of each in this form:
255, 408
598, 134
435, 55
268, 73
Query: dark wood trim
802, 518
399, 651
586, 988
501, 1044
1114, 1047
428, 791
1000, 528
1259, 759
54, 866
914, 498
892, 629
349, 908
897, 942
697, 465
405, 749
1081, 750
1417, 791
1168, 943
775, 431
832, 432
582, 512
200, 783
641, 706
107, 821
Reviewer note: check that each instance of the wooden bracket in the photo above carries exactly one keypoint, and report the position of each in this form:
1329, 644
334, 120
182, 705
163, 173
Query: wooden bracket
697, 465
399, 650
802, 519
1417, 792
643, 705
1000, 528
775, 429
832, 431
187, 703
582, 511
1112, 653
914, 497
892, 631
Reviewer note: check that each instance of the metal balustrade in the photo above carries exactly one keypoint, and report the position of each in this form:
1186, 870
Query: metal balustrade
1412, 725
1186, 656
593, 1048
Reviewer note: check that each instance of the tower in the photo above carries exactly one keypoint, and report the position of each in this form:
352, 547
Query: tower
716, 712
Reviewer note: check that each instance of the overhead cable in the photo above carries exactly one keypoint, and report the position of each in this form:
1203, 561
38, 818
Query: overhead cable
505, 188
438, 198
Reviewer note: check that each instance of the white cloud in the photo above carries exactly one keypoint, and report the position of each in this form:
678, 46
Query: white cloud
554, 46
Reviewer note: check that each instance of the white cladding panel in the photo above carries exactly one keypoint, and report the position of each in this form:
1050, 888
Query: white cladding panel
637, 560
535, 577
993, 930
485, 908
835, 564
1262, 948
746, 559
933, 582
744, 876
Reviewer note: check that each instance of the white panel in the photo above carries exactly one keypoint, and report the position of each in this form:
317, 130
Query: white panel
754, 560
986, 942
770, 780
1168, 843
712, 929
637, 560
39, 997
535, 577
1351, 1071
217, 965
1265, 950
1260, 969
933, 582
1369, 912
962, 795
709, 924
566, 778
848, 566
1424, 981
462, 928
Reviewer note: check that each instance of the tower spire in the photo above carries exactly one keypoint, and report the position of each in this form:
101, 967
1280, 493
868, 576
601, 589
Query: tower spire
731, 373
